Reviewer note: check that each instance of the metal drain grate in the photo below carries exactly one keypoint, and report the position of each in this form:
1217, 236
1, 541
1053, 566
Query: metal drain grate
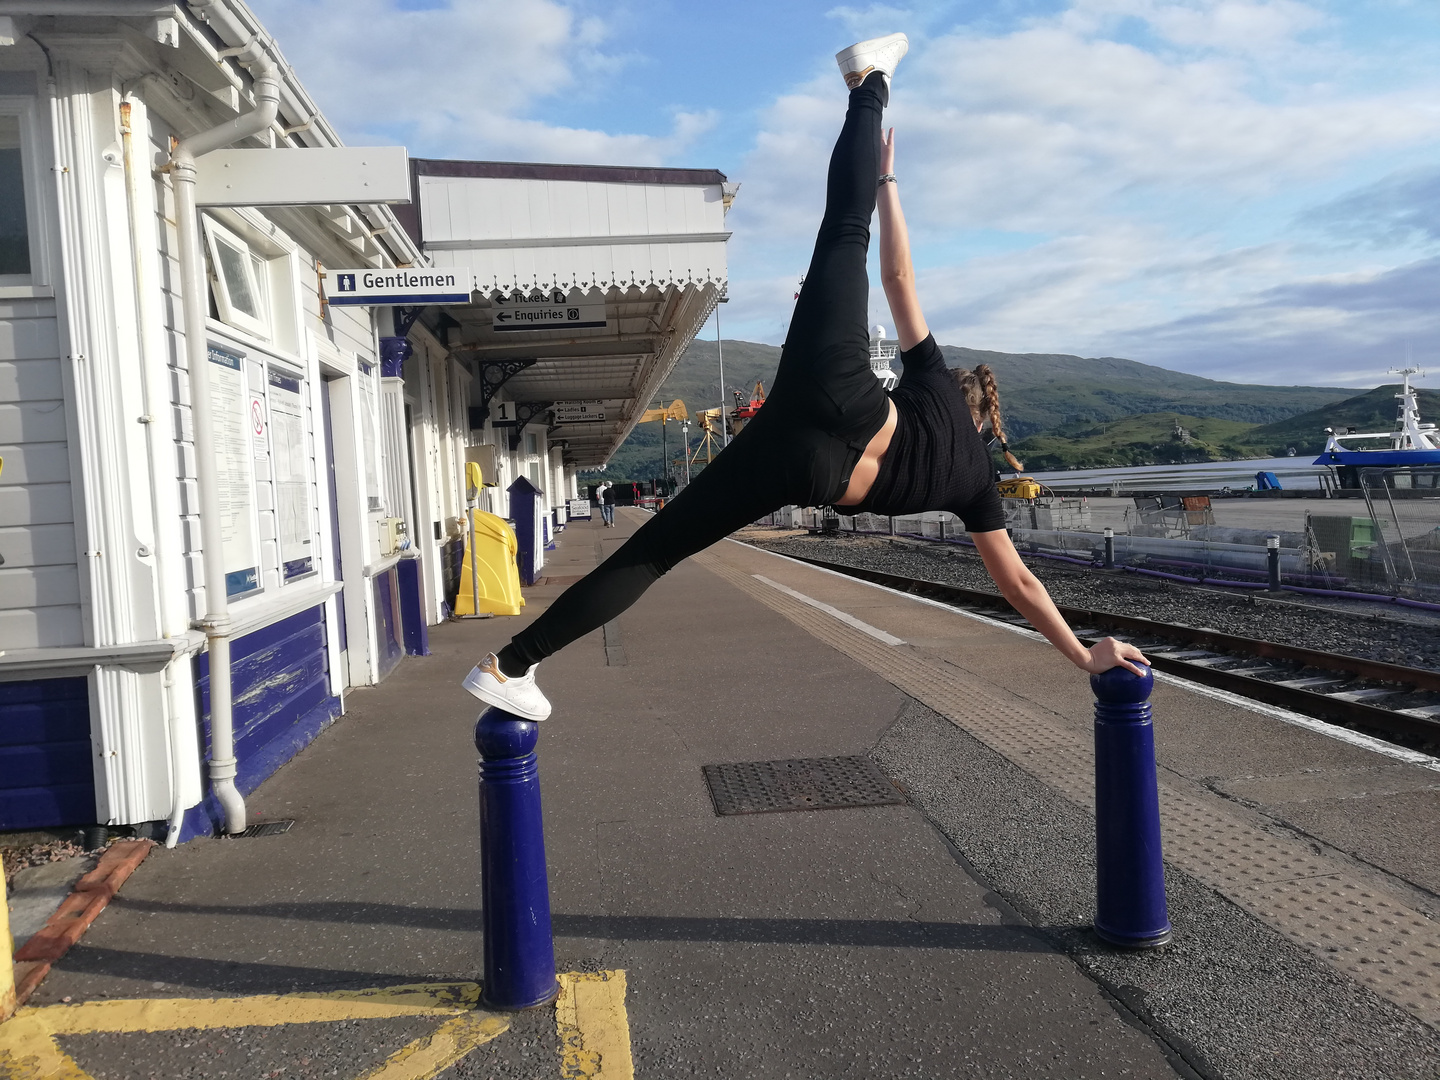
266, 828
768, 787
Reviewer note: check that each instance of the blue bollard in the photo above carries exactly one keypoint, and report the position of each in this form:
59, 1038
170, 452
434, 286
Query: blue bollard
514, 886
1130, 878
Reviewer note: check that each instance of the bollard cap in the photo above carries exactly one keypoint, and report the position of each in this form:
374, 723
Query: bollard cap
499, 734
1119, 686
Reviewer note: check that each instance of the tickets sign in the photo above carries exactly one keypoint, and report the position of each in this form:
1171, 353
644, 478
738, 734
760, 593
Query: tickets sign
552, 310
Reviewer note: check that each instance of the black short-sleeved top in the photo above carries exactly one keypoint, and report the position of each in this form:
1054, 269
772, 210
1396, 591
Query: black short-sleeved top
936, 460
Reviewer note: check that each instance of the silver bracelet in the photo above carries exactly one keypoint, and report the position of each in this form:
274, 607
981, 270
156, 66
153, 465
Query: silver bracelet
887, 178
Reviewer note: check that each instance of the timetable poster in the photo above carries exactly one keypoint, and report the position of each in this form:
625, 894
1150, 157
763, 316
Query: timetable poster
290, 457
234, 421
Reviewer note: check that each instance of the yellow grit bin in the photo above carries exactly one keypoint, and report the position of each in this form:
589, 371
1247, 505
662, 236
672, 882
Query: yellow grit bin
489, 575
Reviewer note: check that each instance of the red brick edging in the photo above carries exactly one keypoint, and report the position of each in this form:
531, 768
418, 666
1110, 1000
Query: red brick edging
75, 914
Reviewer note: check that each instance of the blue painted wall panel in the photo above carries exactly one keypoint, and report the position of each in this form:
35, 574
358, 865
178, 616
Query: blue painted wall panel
48, 807
46, 769
45, 765
388, 626
31, 722
279, 680
412, 607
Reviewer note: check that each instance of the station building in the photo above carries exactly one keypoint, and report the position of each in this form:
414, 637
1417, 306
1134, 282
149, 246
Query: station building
332, 438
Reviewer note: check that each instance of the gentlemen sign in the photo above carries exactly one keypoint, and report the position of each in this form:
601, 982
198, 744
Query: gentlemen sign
578, 412
447, 285
553, 310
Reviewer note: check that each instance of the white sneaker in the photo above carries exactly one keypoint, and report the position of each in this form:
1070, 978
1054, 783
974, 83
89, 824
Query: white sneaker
516, 694
880, 54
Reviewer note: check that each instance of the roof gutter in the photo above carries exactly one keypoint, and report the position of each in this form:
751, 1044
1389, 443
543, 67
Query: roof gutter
216, 622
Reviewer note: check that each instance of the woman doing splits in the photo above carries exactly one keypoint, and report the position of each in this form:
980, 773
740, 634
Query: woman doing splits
828, 434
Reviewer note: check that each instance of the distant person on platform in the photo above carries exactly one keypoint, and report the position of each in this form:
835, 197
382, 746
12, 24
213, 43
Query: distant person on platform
607, 505
828, 434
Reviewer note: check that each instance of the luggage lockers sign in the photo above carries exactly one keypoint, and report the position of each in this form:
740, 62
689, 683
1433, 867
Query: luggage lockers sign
578, 412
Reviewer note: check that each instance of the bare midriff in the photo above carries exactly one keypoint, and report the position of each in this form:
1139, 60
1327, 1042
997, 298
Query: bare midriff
862, 477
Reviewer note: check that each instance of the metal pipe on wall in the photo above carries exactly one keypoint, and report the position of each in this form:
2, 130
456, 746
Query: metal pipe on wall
179, 740
216, 622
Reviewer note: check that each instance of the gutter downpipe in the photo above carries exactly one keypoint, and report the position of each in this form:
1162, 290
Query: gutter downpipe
169, 704
216, 622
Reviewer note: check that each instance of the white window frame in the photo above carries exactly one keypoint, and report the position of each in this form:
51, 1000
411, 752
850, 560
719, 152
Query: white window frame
258, 283
37, 282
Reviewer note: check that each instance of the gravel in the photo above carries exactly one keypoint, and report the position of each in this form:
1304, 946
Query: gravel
1351, 628
38, 854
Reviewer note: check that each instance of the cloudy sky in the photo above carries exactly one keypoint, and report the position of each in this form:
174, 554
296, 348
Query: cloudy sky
1243, 189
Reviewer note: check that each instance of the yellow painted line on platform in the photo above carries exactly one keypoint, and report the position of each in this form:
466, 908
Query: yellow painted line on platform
593, 1027
432, 1054
28, 1050
261, 1010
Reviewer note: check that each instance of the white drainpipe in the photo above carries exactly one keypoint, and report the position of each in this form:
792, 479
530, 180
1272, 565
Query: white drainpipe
216, 622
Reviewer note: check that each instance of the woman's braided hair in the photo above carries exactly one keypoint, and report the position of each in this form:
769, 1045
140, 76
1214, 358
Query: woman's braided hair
981, 395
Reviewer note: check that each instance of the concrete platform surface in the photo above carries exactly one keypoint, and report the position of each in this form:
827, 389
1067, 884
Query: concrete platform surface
945, 937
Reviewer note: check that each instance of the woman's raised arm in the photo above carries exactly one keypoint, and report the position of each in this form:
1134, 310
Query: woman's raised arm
897, 275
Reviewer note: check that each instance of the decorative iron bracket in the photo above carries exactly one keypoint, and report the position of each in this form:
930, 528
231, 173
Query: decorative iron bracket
525, 411
405, 318
493, 375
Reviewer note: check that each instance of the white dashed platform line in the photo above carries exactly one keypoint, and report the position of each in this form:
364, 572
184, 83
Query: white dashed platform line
843, 616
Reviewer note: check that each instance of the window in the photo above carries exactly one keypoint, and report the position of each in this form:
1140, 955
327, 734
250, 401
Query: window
15, 207
240, 281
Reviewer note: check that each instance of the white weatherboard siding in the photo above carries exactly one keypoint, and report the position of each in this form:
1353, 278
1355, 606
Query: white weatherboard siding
527, 234
39, 581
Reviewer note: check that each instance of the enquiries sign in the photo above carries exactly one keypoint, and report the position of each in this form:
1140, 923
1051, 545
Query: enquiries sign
448, 285
552, 310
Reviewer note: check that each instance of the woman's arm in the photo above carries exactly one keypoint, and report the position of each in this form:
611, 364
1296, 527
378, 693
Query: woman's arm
1027, 596
896, 273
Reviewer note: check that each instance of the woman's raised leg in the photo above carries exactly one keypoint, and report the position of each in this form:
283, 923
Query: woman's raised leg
828, 344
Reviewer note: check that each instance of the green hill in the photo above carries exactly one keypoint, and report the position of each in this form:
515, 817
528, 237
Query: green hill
1043, 391
1373, 410
1145, 439
1040, 392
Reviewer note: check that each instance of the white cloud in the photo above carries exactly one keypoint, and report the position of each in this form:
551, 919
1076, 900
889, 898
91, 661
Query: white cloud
463, 81
1118, 161
1238, 26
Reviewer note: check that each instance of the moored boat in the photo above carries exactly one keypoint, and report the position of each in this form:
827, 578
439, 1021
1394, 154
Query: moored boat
1412, 442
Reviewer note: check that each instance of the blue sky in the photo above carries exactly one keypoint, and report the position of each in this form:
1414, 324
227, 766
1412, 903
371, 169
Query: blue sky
1244, 189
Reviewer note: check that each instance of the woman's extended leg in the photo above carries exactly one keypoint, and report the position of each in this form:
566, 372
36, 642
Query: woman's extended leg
825, 364
742, 484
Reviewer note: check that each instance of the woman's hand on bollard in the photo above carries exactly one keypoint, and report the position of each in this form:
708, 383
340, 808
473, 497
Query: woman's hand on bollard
1108, 653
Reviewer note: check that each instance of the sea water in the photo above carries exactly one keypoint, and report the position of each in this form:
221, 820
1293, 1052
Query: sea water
1292, 472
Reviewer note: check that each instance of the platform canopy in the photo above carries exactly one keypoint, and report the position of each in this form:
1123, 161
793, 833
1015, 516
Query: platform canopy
591, 281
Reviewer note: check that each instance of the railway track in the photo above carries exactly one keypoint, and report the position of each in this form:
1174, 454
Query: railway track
1396, 703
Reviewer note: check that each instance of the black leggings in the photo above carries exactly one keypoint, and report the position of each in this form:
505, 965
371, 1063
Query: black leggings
823, 408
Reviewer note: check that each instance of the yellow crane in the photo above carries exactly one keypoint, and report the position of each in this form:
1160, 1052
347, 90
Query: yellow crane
710, 421
674, 411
